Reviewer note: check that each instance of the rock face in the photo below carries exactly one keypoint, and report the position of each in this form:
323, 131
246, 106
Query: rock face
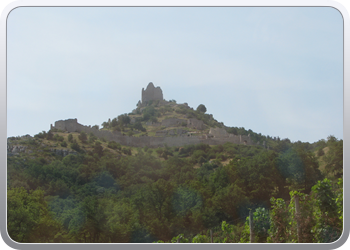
151, 93
15, 149
63, 152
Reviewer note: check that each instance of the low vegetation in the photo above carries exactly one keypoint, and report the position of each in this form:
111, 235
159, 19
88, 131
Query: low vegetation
74, 187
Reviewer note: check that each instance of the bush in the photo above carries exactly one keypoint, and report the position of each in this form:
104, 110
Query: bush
320, 152
64, 144
83, 137
75, 146
49, 135
201, 108
41, 135
70, 138
92, 138
139, 126
114, 145
57, 137
126, 151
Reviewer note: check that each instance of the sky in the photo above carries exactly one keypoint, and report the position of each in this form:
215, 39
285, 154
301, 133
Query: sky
275, 70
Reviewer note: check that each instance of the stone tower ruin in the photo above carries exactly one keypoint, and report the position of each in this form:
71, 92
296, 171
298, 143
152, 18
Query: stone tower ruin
151, 93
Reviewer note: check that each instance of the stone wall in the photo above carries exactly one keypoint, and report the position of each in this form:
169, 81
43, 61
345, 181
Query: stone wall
195, 123
180, 139
173, 122
218, 132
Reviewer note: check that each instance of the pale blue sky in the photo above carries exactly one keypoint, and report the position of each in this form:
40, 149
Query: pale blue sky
277, 71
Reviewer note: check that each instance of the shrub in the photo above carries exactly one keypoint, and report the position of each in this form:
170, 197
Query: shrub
70, 138
126, 151
75, 146
41, 135
83, 137
201, 108
114, 145
320, 152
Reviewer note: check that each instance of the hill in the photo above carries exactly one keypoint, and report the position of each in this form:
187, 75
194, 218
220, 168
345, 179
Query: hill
77, 183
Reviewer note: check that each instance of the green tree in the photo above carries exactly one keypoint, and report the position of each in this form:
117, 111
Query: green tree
329, 224
279, 227
70, 138
124, 120
334, 157
28, 217
83, 137
98, 149
201, 108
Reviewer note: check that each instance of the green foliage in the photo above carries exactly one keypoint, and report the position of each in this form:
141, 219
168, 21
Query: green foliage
96, 195
98, 149
200, 239
300, 168
320, 152
75, 146
305, 218
334, 157
70, 138
41, 135
201, 108
139, 126
114, 145
262, 223
126, 151
328, 212
179, 239
279, 227
58, 138
83, 137
186, 201
28, 217
123, 120
149, 114
49, 135
92, 138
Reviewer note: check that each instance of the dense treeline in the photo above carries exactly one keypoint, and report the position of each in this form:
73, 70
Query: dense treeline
119, 194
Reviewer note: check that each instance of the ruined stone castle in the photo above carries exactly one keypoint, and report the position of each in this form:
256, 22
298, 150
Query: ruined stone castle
151, 93
169, 137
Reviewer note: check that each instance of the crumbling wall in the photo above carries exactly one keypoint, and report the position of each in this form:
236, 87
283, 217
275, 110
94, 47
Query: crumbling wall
195, 123
69, 125
218, 132
151, 93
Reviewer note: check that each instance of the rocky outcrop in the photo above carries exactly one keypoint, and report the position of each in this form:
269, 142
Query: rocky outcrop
16, 149
63, 152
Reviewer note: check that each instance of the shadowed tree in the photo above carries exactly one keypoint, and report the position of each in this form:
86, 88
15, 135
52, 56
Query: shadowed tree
201, 108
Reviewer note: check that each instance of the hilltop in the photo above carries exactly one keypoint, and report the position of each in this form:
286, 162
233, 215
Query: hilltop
157, 122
